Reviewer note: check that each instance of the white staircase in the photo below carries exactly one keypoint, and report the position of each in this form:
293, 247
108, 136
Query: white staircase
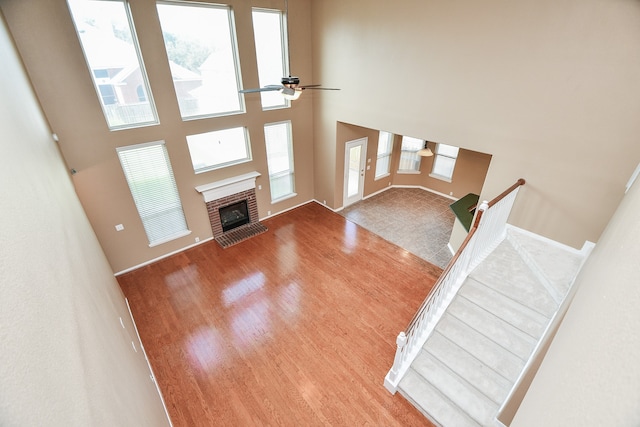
466, 369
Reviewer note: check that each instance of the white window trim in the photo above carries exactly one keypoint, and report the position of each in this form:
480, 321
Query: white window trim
291, 160
143, 71
444, 177
285, 54
247, 159
242, 109
389, 155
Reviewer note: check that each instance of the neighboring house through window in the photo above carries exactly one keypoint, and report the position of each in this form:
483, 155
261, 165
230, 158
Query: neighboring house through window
153, 187
111, 50
444, 162
409, 159
201, 47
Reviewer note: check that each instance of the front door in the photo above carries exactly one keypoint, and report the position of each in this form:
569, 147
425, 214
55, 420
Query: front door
354, 163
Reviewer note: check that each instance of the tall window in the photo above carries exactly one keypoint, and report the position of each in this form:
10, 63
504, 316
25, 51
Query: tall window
385, 147
105, 30
269, 33
150, 178
409, 159
444, 162
219, 149
280, 159
201, 47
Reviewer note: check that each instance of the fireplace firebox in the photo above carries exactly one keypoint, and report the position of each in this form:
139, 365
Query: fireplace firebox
234, 215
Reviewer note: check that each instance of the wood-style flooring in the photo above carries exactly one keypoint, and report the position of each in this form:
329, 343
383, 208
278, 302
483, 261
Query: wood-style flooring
294, 327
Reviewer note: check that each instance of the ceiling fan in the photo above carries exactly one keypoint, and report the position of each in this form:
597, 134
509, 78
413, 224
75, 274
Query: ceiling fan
290, 86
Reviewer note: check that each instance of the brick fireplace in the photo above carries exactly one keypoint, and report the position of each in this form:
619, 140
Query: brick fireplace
226, 193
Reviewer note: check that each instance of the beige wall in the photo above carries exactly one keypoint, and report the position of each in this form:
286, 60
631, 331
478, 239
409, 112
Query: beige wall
592, 365
65, 360
56, 66
548, 88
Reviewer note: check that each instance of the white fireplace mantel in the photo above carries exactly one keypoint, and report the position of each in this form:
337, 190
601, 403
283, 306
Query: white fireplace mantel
226, 187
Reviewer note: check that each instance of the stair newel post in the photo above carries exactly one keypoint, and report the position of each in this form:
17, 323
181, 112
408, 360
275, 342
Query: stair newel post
401, 341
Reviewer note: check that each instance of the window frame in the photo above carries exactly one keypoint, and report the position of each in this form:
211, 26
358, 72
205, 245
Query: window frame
413, 155
142, 206
215, 166
385, 154
291, 170
143, 71
438, 155
233, 34
284, 44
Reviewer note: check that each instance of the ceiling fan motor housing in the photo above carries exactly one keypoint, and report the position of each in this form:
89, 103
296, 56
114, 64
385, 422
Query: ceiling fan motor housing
290, 82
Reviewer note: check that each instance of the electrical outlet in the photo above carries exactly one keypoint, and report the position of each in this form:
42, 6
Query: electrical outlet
324, 202
451, 193
259, 187
268, 212
119, 227
197, 239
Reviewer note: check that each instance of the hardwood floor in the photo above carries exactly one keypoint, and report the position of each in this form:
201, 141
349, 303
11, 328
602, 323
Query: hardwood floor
293, 327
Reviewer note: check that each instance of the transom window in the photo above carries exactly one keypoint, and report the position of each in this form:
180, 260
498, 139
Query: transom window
219, 149
444, 162
270, 41
409, 159
105, 30
280, 159
153, 187
385, 148
201, 47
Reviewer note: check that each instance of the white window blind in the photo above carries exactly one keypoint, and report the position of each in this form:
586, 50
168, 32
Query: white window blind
385, 147
153, 187
409, 159
279, 159
444, 161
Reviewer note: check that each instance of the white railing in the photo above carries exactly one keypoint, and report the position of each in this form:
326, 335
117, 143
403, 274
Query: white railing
488, 230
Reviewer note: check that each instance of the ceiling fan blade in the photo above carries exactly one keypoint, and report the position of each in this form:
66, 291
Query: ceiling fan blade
268, 88
308, 86
320, 88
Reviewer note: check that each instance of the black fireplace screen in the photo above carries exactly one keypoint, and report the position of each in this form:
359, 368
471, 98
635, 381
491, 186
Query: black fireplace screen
234, 215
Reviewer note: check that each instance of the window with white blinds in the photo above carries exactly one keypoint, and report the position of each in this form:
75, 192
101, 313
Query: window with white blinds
280, 159
444, 162
153, 187
383, 161
409, 159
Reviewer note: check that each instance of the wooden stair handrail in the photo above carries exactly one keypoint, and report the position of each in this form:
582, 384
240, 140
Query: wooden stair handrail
472, 231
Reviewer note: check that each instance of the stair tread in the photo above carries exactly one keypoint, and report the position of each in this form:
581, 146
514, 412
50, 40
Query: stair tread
559, 265
518, 315
466, 366
460, 392
520, 284
432, 403
482, 348
491, 326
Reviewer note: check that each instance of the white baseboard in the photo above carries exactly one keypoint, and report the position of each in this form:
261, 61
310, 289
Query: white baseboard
151, 261
144, 352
